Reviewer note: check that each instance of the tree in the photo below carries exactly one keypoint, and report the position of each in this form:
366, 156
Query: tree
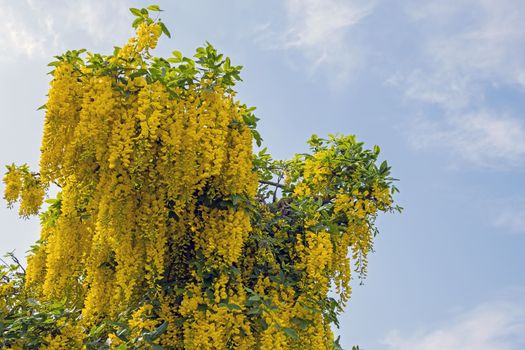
167, 230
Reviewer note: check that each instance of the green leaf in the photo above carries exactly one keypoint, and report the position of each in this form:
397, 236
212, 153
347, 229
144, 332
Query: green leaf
232, 306
301, 322
254, 311
254, 298
159, 330
376, 150
337, 345
138, 73
95, 331
384, 168
137, 21
165, 29
291, 333
136, 12
122, 334
257, 137
200, 52
41, 107
154, 8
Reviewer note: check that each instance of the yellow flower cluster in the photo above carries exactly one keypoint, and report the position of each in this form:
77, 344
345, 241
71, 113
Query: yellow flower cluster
70, 337
13, 185
222, 236
318, 260
147, 37
63, 109
31, 197
383, 195
6, 292
132, 163
21, 184
324, 257
287, 308
316, 174
216, 324
141, 320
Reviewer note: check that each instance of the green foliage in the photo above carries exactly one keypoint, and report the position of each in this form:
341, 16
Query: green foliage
24, 317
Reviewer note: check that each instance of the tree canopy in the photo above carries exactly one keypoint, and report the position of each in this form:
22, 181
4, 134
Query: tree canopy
168, 230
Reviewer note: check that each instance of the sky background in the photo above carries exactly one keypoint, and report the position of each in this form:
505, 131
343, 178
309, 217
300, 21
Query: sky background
439, 85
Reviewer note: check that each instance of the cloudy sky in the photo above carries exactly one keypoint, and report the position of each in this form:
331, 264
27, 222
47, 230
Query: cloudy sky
439, 85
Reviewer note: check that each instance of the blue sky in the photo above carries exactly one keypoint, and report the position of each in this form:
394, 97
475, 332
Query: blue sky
439, 85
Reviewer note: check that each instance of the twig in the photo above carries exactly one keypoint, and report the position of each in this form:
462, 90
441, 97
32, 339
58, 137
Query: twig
277, 186
16, 261
271, 183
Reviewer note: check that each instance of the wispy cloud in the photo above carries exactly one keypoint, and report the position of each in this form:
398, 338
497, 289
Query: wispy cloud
510, 215
492, 325
445, 88
35, 29
475, 42
320, 30
484, 138
468, 48
512, 219
20, 37
99, 19
316, 24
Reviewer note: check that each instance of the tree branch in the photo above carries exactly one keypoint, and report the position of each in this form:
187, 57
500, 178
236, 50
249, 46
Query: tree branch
271, 183
15, 260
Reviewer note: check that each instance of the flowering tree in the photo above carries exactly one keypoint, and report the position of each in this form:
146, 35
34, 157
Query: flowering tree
167, 230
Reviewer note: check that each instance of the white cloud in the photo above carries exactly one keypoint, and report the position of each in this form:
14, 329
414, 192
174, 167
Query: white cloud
484, 138
99, 19
505, 213
468, 44
511, 216
315, 23
512, 219
320, 30
19, 37
468, 47
41, 29
492, 325
445, 88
